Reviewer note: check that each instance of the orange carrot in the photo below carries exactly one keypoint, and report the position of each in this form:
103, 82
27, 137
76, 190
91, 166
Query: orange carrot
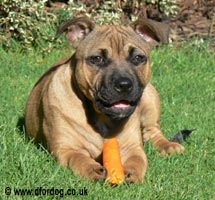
112, 162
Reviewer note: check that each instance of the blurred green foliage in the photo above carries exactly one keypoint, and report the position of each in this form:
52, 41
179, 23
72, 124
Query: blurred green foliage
33, 25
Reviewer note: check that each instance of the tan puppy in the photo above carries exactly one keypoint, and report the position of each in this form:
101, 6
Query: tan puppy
102, 91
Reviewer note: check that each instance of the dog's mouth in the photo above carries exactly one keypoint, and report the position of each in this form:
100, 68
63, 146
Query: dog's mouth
123, 104
118, 98
117, 109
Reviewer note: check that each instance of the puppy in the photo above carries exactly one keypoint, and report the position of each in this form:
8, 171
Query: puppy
102, 91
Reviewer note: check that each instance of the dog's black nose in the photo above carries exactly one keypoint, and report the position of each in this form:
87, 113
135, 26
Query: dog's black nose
123, 84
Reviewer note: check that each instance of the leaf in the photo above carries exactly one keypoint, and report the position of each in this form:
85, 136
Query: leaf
182, 136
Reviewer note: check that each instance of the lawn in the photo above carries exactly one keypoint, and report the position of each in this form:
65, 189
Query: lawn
185, 79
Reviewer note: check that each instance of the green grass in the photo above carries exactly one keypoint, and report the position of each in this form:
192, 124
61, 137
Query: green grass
185, 79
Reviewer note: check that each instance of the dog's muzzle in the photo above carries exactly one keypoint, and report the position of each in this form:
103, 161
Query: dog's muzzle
118, 97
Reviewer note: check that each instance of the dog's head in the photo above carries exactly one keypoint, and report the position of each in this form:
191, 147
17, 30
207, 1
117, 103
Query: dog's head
112, 62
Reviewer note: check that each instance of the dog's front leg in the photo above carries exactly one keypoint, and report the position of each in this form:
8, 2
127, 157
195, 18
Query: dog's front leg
164, 146
150, 124
135, 164
81, 163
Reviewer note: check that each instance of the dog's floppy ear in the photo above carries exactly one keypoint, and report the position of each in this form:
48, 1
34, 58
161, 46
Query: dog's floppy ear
151, 31
75, 29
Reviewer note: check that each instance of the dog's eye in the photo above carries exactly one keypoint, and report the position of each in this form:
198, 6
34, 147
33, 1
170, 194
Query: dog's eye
139, 59
96, 60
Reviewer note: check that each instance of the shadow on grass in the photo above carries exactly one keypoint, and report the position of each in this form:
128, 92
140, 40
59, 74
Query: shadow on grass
22, 131
21, 126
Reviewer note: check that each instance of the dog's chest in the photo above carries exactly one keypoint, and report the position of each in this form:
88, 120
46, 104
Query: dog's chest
101, 128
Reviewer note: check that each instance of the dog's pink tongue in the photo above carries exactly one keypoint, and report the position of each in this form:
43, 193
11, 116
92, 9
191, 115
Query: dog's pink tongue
121, 104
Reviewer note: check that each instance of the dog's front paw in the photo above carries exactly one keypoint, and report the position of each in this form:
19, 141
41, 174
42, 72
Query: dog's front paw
169, 148
97, 173
132, 176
